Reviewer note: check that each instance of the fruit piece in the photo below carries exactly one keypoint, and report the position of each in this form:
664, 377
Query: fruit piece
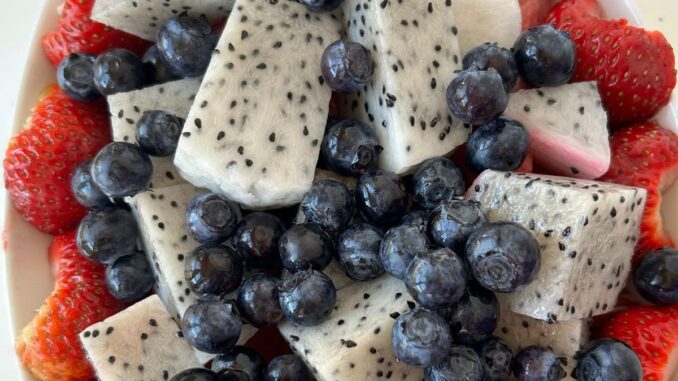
477, 97
480, 21
635, 68
186, 43
212, 325
60, 135
608, 359
328, 203
346, 66
381, 197
129, 278
107, 234
241, 358
75, 75
350, 148
568, 128
474, 317
572, 220
463, 363
451, 223
158, 133
213, 269
358, 251
286, 368
545, 56
263, 164
196, 374
436, 278
436, 180
501, 144
322, 5
155, 68
211, 218
496, 358
307, 297
656, 276
489, 55
85, 190
421, 338
257, 237
122, 170
306, 246
535, 363
400, 245
118, 71
534, 12
404, 101
258, 300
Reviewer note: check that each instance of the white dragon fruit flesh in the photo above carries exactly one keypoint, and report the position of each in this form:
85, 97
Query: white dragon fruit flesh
415, 52
568, 128
144, 18
140, 343
254, 131
481, 21
586, 230
127, 108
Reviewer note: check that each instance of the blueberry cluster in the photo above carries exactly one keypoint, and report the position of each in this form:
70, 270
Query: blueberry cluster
245, 364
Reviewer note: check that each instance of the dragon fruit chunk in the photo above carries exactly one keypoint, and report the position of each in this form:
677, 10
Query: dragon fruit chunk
586, 230
568, 128
142, 342
481, 21
415, 51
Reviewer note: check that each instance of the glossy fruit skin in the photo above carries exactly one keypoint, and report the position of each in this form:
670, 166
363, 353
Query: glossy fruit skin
233, 375
256, 239
537, 364
212, 325
286, 368
436, 278
121, 170
156, 69
451, 223
85, 190
213, 269
545, 56
421, 338
399, 247
306, 246
474, 317
418, 218
75, 76
463, 363
501, 144
105, 235
656, 277
329, 204
211, 218
258, 300
381, 197
489, 55
350, 148
322, 5
130, 278
195, 374
186, 43
241, 359
307, 297
118, 71
346, 66
608, 359
358, 251
477, 97
158, 133
436, 180
496, 357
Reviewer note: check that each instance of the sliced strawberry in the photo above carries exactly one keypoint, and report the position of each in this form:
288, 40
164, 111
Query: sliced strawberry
534, 12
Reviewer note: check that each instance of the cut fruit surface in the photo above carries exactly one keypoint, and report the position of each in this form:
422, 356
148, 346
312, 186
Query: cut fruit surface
482, 21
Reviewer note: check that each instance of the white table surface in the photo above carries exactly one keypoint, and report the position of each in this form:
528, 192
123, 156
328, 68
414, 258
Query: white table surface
15, 31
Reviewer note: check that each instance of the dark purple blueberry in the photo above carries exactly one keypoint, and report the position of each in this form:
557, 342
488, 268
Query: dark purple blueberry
608, 359
211, 325
421, 338
656, 277
545, 56
211, 218
381, 197
286, 368
307, 297
306, 246
400, 245
418, 218
436, 278
358, 251
256, 239
118, 71
121, 170
107, 234
258, 300
462, 364
350, 148
451, 223
129, 278
213, 269
242, 359
233, 375
538, 364
158, 133
503, 256
329, 204
496, 357
346, 66
156, 69
85, 190
322, 5
474, 317
476, 96
186, 43
501, 145
490, 55
437, 180
75, 75
195, 374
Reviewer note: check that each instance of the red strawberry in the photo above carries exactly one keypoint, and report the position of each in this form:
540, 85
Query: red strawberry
77, 33
646, 156
60, 134
635, 68
49, 346
652, 332
534, 12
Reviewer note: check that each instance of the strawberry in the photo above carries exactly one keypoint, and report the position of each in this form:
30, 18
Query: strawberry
78, 33
60, 134
534, 12
49, 346
652, 332
634, 68
646, 156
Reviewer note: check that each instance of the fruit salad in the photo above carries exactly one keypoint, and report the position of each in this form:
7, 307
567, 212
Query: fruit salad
340, 190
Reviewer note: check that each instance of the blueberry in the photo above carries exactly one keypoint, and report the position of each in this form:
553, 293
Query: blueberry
474, 317
286, 368
418, 218
306, 246
243, 359
307, 297
75, 75
158, 133
381, 197
85, 190
129, 278
346, 66
496, 357
452, 223
608, 359
350, 148
358, 251
211, 325
233, 375
490, 55
329, 204
477, 97
421, 338
211, 218
322, 5
186, 43
656, 277
107, 234
538, 364
195, 374
122, 169
155, 67
256, 239
213, 269
500, 145
399, 246
436, 278
258, 300
118, 71
545, 56
437, 180
462, 363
